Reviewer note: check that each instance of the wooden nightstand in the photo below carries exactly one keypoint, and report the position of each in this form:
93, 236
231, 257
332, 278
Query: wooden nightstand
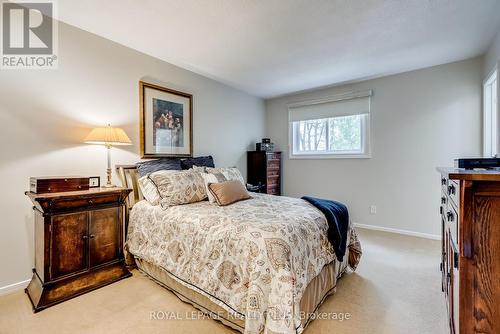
78, 243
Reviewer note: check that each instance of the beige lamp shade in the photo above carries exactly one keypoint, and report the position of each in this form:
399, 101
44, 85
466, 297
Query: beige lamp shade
108, 136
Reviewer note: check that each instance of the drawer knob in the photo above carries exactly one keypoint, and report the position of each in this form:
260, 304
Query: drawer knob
451, 190
450, 216
91, 202
84, 237
92, 236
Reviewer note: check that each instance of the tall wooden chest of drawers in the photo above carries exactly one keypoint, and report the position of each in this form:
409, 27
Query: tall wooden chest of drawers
78, 243
264, 169
470, 261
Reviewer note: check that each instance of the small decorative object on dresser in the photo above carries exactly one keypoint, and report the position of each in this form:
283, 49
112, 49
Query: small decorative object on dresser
265, 145
470, 257
94, 182
56, 184
264, 168
78, 243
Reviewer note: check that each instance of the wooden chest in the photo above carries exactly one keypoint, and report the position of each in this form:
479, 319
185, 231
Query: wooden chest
78, 243
264, 169
470, 258
43, 185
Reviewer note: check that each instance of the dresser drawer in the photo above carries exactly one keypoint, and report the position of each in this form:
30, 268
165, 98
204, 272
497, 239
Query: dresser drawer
274, 156
273, 164
452, 218
272, 180
453, 191
444, 185
273, 172
72, 203
273, 189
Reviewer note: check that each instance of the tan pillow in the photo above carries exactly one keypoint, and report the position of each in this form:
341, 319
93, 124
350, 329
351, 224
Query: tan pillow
228, 192
181, 187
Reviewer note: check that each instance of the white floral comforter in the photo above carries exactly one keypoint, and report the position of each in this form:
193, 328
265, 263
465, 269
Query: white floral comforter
254, 258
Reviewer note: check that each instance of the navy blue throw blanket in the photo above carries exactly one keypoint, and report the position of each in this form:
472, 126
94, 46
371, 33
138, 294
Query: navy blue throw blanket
337, 217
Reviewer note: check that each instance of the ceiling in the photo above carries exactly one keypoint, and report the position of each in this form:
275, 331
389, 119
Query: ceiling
274, 47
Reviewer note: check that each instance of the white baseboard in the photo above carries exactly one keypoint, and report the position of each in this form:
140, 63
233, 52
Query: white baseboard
398, 231
13, 287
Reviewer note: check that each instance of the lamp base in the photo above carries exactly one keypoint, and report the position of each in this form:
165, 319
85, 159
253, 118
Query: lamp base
109, 186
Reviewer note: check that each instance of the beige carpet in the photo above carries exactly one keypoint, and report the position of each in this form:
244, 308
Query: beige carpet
396, 289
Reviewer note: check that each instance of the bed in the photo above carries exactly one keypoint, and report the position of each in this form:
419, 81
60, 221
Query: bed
262, 264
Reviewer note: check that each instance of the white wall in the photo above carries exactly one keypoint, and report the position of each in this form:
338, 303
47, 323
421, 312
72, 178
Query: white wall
420, 120
492, 56
45, 115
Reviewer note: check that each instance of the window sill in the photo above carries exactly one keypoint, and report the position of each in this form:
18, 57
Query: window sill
329, 156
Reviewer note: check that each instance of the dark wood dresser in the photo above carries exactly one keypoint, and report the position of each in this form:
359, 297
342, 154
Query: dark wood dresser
264, 170
78, 243
470, 264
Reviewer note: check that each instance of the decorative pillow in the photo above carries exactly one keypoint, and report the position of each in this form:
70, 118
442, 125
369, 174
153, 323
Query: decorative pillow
151, 166
199, 169
207, 161
228, 192
231, 173
181, 187
212, 178
149, 190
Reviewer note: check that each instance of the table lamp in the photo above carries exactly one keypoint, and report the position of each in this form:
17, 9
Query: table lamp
108, 137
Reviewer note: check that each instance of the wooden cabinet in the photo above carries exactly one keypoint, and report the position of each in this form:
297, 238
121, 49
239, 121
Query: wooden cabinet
264, 170
78, 243
470, 261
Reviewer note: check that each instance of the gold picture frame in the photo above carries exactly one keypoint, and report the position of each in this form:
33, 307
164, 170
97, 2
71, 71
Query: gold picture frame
165, 122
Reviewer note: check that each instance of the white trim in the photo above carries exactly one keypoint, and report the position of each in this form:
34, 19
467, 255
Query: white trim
398, 231
491, 137
365, 152
13, 287
329, 155
490, 73
333, 98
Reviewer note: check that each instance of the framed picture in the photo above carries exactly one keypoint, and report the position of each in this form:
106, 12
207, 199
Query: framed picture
166, 122
94, 182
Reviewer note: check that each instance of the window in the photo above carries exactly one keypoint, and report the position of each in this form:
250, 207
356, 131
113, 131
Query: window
337, 127
490, 117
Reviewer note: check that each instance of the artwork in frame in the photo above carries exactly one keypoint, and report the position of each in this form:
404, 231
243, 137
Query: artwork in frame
166, 122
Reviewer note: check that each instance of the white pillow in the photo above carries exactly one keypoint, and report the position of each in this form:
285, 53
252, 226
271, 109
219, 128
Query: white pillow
231, 173
149, 190
210, 178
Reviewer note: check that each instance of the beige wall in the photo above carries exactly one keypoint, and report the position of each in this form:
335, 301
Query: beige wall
419, 120
44, 116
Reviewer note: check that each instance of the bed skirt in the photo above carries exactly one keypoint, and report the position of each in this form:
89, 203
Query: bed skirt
316, 292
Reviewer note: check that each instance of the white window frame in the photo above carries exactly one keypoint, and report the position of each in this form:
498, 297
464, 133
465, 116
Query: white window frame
365, 131
491, 109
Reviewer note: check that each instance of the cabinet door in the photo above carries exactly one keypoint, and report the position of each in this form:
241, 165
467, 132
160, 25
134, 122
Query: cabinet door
68, 244
444, 255
104, 235
453, 291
